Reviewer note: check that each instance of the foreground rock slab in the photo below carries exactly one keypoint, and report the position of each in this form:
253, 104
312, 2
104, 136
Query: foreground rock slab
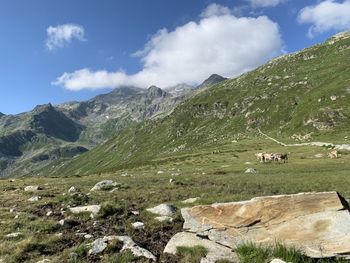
215, 251
317, 224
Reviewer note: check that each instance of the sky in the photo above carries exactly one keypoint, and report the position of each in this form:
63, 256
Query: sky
61, 50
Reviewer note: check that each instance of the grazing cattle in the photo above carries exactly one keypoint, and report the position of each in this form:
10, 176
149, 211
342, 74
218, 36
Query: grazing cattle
333, 154
268, 157
260, 157
280, 156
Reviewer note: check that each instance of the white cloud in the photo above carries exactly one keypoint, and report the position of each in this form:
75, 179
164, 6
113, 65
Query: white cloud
218, 43
265, 3
215, 10
61, 35
326, 15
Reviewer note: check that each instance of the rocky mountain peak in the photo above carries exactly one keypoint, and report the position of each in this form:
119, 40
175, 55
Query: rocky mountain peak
155, 92
1, 114
213, 79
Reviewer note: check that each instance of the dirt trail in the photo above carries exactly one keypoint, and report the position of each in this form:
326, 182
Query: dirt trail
336, 146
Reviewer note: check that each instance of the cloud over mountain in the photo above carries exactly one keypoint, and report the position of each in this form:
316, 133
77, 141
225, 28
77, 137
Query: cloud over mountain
326, 15
218, 43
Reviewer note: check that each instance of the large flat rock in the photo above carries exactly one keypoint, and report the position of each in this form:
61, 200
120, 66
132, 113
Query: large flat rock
318, 224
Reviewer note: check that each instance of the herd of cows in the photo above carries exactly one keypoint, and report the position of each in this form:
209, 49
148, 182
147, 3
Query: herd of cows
277, 157
283, 157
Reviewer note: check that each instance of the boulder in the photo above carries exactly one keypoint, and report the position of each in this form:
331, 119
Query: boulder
215, 251
93, 209
317, 224
31, 188
163, 210
104, 185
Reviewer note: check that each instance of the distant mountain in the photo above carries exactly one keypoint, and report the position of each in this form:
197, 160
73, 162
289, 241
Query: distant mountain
296, 97
1, 114
213, 79
32, 140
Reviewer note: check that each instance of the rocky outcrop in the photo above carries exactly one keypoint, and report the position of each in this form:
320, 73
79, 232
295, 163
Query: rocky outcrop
163, 210
104, 185
317, 224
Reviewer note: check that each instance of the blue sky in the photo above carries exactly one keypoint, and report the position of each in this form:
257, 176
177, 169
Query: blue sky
57, 51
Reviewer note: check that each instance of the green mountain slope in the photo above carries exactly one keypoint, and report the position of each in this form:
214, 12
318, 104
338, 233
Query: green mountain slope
300, 95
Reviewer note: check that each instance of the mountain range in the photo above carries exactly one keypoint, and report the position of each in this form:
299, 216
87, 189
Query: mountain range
297, 97
49, 133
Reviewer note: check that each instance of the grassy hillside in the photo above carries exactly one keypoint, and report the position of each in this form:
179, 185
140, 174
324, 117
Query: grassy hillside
300, 96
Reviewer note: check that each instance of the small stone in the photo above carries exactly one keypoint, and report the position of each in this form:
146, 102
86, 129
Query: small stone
13, 235
138, 225
163, 210
171, 180
44, 261
160, 172
98, 246
114, 190
31, 188
164, 219
277, 260
34, 198
49, 213
251, 171
88, 236
12, 210
73, 189
190, 200
136, 213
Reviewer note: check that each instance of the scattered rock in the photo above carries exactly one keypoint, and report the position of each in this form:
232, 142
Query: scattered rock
164, 219
114, 190
13, 235
31, 188
215, 251
34, 198
138, 225
68, 223
190, 200
12, 210
250, 171
98, 246
317, 224
163, 210
104, 185
277, 260
136, 213
87, 236
93, 209
160, 172
49, 213
73, 189
129, 244
44, 261
171, 180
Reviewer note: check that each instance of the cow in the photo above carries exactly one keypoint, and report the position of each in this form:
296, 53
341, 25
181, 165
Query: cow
268, 157
280, 156
260, 157
333, 154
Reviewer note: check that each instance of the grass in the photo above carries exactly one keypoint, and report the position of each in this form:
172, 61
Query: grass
249, 253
